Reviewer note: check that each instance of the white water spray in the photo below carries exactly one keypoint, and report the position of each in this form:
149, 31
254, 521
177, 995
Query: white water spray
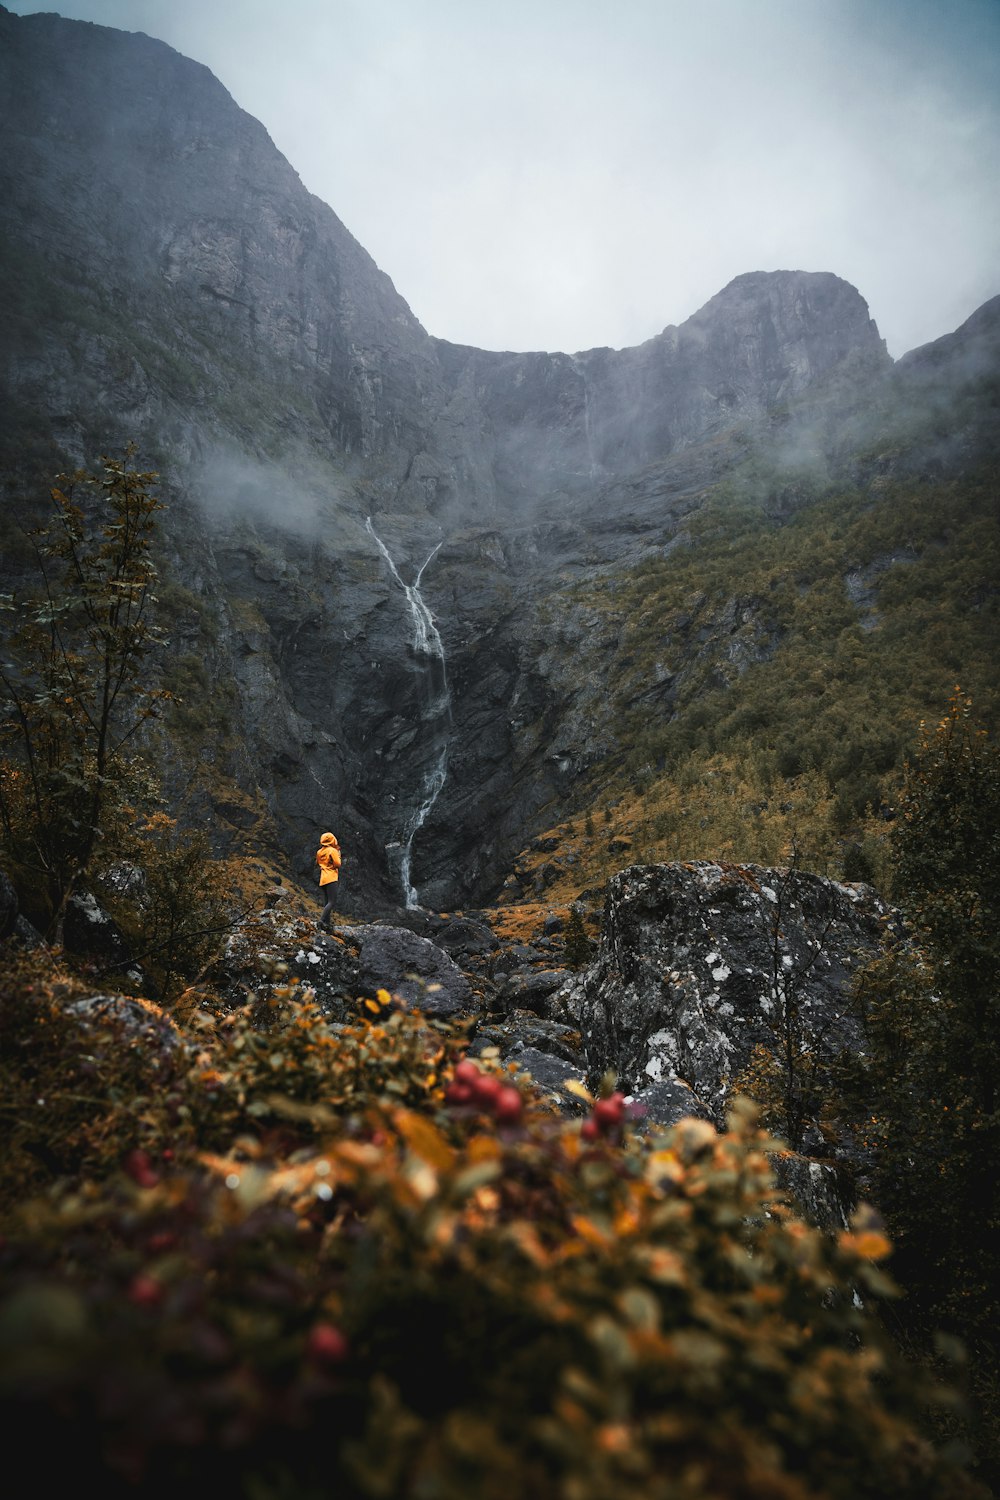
588, 429
435, 709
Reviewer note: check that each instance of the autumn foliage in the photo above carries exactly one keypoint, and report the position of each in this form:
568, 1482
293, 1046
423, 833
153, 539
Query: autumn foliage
256, 1254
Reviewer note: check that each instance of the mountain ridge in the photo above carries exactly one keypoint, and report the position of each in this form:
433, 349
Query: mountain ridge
179, 286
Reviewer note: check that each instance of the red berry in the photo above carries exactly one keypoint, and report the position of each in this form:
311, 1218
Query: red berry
608, 1112
163, 1240
139, 1167
467, 1072
145, 1291
458, 1093
488, 1089
508, 1104
326, 1344
590, 1130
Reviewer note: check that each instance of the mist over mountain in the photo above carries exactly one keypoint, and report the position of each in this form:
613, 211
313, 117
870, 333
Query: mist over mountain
331, 468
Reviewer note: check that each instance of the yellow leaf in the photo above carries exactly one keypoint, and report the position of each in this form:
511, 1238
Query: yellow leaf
421, 1177
424, 1139
526, 1238
475, 1177
626, 1222
664, 1166
666, 1267
869, 1243
591, 1232
483, 1148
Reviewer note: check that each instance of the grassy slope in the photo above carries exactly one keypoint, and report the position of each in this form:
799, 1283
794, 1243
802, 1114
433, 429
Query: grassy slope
772, 676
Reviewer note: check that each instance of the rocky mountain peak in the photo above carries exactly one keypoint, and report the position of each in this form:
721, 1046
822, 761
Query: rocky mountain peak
176, 285
796, 325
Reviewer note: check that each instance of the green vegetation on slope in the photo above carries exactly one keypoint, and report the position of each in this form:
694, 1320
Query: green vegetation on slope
771, 675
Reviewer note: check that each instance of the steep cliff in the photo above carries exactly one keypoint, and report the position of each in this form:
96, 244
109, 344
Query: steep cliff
174, 283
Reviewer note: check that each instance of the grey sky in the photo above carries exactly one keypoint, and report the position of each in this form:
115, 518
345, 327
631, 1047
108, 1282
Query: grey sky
561, 174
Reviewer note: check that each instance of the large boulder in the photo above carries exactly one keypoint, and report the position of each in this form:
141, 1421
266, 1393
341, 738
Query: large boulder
701, 963
274, 946
410, 967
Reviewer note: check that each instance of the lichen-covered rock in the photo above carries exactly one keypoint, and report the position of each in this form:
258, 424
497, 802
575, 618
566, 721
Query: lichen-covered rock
815, 1188
274, 947
663, 1103
528, 989
91, 933
550, 1074
139, 1020
700, 963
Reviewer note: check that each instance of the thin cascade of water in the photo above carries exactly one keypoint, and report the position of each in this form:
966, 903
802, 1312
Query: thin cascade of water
588, 429
435, 710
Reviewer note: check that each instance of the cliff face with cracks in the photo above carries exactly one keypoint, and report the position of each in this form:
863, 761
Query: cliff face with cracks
174, 283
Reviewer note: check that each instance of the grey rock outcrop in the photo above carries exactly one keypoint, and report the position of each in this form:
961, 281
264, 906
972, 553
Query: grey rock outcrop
570, 421
275, 946
138, 159
699, 964
90, 932
410, 967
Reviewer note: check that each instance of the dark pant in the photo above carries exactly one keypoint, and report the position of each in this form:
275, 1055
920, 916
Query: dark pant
330, 894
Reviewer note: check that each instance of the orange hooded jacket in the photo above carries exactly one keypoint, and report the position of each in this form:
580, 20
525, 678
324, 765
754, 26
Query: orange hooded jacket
328, 859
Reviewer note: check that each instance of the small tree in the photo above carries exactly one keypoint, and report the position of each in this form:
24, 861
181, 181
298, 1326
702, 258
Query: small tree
73, 679
577, 947
947, 881
790, 1077
932, 1016
183, 906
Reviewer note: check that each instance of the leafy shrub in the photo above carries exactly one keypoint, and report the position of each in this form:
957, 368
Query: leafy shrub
279, 1262
181, 904
930, 1078
74, 684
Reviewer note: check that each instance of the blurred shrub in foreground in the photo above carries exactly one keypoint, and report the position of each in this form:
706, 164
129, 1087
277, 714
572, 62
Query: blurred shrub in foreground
274, 1258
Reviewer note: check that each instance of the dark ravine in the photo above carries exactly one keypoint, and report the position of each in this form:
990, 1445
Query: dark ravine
176, 285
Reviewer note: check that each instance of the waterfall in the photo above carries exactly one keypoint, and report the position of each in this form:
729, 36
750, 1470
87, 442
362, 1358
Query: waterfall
588, 430
435, 710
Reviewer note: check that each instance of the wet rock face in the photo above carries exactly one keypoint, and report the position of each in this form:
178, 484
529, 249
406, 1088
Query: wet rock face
180, 210
220, 315
700, 963
582, 418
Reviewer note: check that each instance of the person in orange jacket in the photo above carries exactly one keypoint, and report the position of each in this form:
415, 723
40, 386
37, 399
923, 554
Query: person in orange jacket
328, 859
